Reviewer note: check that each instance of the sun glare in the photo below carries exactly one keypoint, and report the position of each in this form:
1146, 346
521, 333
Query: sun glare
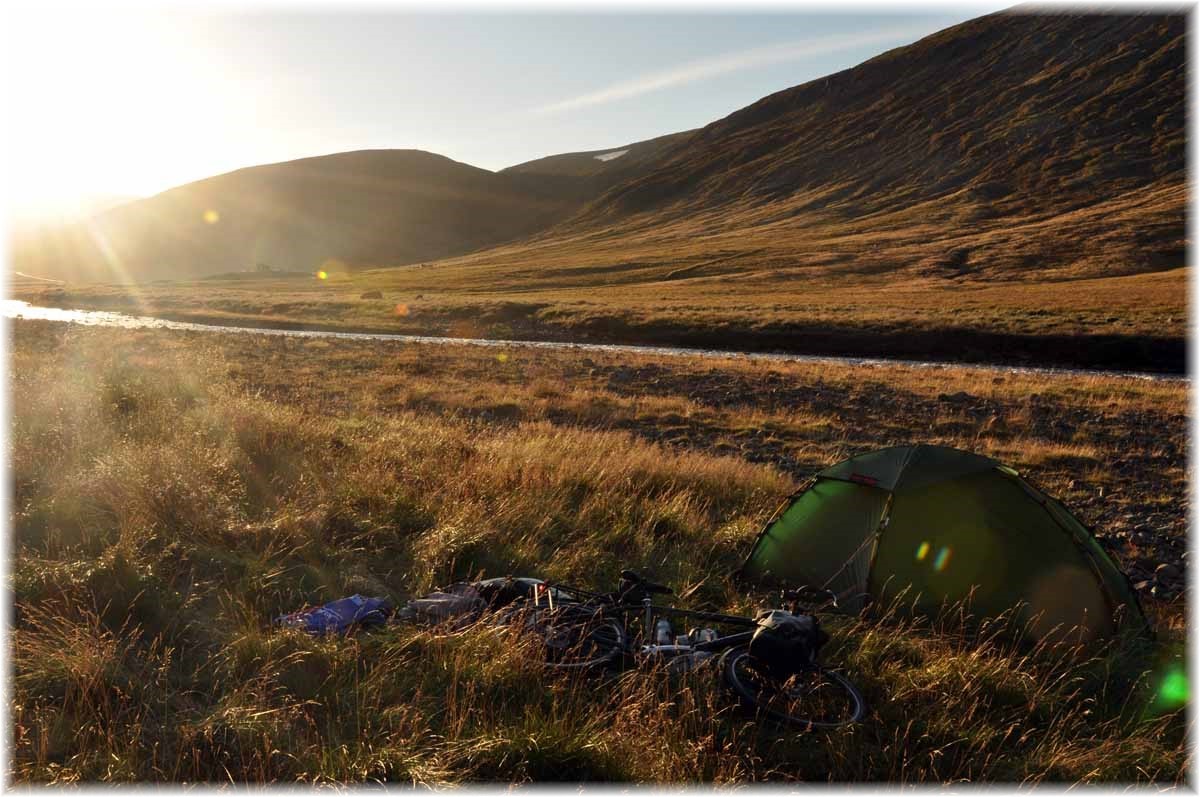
116, 103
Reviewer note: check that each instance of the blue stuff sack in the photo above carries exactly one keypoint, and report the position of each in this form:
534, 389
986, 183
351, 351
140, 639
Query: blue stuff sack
338, 617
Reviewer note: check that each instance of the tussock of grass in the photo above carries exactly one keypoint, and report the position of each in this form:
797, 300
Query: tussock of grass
165, 511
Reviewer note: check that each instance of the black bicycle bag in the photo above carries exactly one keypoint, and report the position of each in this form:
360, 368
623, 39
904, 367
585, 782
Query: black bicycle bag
784, 643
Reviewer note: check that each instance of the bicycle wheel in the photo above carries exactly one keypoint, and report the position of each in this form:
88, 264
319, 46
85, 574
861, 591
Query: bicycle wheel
812, 698
575, 638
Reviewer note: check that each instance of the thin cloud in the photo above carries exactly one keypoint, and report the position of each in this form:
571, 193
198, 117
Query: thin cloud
732, 62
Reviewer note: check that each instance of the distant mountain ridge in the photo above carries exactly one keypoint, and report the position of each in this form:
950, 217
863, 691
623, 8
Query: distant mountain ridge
1015, 145
609, 165
361, 208
1012, 144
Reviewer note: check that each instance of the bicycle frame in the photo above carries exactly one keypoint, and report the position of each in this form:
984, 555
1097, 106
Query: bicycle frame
584, 613
724, 641
617, 606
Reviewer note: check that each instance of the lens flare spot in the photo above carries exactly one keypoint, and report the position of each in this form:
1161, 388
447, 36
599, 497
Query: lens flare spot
322, 275
1173, 692
402, 309
211, 216
922, 551
502, 357
942, 560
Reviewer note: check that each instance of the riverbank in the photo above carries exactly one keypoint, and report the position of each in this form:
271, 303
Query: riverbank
1132, 323
12, 308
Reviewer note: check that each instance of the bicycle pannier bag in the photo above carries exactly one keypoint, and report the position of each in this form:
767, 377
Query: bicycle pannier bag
784, 642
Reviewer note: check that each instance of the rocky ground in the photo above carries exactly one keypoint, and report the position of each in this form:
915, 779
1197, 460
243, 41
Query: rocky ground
1132, 499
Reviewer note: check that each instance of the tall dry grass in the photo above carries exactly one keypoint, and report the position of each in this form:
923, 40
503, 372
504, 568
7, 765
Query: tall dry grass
164, 513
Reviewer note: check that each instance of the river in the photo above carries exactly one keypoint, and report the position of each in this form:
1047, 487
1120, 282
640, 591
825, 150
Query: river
13, 308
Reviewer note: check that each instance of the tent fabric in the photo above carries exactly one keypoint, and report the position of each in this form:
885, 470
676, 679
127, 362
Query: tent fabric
908, 466
825, 553
932, 526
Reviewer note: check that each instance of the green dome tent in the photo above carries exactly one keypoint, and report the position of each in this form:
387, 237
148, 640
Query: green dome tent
944, 525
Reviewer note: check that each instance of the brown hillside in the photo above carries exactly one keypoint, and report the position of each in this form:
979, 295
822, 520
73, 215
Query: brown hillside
1011, 146
366, 207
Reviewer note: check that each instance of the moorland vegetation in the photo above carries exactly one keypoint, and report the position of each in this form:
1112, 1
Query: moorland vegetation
173, 492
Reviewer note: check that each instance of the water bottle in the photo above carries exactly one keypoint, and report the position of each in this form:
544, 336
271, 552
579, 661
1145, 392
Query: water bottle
662, 632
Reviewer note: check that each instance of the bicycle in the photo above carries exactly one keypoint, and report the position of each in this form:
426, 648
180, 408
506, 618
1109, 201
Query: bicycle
782, 679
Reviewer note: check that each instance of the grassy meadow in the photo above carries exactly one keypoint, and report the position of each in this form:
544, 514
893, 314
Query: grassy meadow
173, 492
1126, 321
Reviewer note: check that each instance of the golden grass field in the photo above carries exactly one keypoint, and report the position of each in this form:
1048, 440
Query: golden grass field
175, 491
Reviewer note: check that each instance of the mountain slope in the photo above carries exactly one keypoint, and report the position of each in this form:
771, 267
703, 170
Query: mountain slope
365, 207
1011, 146
606, 167
1029, 111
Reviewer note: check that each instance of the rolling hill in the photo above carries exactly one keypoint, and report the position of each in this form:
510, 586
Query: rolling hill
1013, 187
1011, 146
363, 208
368, 207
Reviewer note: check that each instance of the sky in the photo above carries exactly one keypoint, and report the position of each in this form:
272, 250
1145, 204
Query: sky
129, 101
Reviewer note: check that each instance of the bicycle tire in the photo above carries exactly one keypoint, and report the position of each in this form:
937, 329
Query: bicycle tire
574, 638
813, 698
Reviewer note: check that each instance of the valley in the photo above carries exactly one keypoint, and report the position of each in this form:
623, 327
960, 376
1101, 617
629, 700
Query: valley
1036, 216
993, 215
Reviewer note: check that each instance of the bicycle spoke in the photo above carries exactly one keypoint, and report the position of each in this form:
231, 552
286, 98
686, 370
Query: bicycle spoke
811, 695
810, 698
576, 638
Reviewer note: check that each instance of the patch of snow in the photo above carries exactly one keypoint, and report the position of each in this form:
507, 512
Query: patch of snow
610, 155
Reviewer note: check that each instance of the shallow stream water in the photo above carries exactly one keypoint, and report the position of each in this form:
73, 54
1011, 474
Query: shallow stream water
12, 308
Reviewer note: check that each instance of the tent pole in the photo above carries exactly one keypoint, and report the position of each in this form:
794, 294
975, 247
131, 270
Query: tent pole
883, 521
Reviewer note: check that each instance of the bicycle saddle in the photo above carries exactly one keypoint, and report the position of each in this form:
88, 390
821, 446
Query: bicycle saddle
648, 586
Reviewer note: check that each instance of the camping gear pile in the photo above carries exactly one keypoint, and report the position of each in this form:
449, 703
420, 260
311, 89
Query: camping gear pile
457, 606
919, 528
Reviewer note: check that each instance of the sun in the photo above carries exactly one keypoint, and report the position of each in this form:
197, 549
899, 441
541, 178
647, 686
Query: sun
116, 103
